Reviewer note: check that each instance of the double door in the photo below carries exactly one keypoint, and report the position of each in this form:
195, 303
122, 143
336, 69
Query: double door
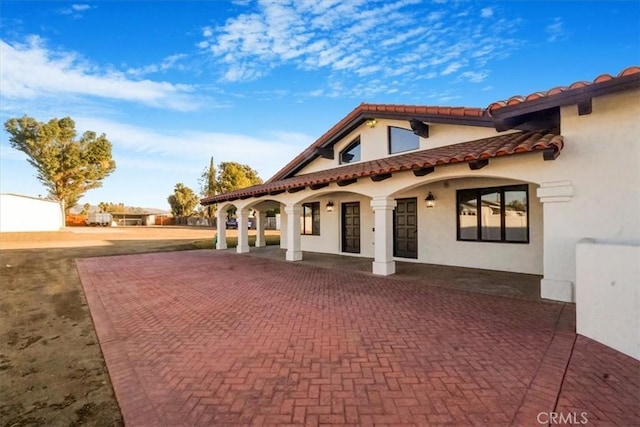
405, 228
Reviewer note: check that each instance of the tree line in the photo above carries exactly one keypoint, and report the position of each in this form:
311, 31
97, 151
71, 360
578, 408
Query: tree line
228, 176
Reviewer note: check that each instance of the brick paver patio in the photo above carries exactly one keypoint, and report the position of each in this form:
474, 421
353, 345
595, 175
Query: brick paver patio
214, 338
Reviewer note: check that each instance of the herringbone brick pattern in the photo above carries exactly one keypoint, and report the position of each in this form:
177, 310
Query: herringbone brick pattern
209, 338
603, 384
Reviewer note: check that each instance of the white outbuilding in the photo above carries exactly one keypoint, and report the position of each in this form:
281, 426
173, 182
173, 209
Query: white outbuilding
24, 213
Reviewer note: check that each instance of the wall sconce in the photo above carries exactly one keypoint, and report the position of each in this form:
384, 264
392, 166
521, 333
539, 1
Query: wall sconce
371, 123
431, 201
330, 206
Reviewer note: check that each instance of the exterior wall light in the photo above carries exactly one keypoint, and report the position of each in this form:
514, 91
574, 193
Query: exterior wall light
431, 201
371, 123
330, 206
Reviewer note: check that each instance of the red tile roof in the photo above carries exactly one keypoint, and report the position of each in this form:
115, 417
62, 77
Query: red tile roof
518, 99
497, 146
365, 111
469, 115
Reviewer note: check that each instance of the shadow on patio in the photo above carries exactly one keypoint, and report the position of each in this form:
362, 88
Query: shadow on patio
501, 283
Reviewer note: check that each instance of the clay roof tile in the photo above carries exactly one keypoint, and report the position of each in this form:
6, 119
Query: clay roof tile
467, 151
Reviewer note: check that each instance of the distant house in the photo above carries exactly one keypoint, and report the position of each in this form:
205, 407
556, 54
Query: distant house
24, 213
516, 186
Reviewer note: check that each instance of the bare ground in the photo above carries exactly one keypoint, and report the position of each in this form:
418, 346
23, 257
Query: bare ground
51, 368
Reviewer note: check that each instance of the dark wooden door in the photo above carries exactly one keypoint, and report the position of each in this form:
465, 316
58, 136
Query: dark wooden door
351, 227
405, 228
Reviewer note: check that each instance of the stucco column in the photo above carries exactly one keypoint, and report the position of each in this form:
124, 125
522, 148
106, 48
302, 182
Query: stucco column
559, 257
261, 220
221, 225
243, 232
283, 228
383, 263
294, 247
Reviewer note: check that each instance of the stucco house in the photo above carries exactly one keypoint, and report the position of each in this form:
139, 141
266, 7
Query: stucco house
518, 186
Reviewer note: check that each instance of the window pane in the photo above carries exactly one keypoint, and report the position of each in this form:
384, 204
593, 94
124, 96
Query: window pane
467, 215
351, 153
515, 206
304, 219
310, 219
491, 216
402, 140
316, 218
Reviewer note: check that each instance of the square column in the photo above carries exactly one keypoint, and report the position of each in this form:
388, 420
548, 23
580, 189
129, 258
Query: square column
283, 228
559, 262
261, 220
243, 231
294, 247
383, 263
221, 225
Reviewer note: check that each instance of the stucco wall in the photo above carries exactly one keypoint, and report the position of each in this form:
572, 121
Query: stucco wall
437, 242
608, 295
21, 213
330, 238
601, 165
437, 227
589, 191
374, 142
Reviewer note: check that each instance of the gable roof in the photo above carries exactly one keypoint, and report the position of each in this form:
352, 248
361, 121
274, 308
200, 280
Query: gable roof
501, 115
486, 148
364, 112
492, 116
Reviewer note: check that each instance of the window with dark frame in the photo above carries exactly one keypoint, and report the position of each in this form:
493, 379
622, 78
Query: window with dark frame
402, 140
351, 153
495, 214
310, 219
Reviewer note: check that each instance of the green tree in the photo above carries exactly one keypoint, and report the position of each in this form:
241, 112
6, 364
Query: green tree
85, 209
67, 166
183, 201
209, 187
233, 176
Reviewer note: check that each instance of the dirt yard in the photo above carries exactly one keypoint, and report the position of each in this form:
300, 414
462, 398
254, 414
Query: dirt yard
51, 367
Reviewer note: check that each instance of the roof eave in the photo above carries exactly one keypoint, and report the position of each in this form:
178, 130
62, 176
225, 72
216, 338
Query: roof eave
568, 97
312, 152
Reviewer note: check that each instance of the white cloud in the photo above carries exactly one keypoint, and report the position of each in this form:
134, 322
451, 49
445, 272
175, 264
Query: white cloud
486, 12
449, 98
31, 71
474, 76
555, 30
189, 149
451, 68
341, 37
168, 63
75, 10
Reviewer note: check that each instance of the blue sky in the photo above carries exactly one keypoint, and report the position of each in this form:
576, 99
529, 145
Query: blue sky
173, 83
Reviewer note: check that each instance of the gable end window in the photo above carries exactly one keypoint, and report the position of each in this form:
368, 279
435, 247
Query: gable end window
402, 140
496, 214
310, 219
351, 154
